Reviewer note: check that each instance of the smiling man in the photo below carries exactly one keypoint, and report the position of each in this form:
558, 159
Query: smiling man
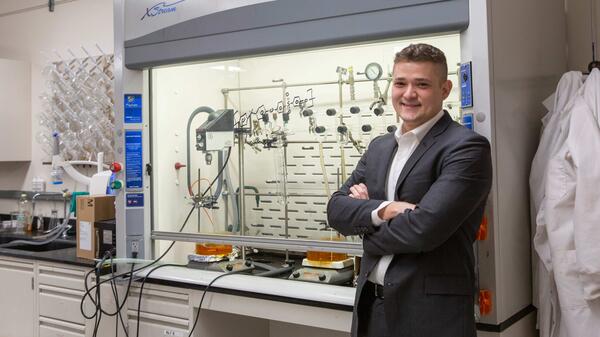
417, 197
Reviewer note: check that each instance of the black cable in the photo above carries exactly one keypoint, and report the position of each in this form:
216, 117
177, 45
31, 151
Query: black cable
113, 286
137, 333
88, 290
99, 310
206, 290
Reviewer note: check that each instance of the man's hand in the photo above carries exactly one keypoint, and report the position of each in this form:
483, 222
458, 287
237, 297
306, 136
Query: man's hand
359, 191
394, 208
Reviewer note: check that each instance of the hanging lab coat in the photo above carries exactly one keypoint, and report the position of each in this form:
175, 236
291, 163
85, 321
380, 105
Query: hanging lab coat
554, 122
572, 214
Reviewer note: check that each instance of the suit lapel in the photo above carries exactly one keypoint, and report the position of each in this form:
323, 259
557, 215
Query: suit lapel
424, 145
387, 153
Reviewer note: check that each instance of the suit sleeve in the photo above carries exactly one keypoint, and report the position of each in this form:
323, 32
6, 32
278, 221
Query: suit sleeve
351, 216
463, 184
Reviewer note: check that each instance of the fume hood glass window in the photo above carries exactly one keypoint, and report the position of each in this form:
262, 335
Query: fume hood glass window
309, 116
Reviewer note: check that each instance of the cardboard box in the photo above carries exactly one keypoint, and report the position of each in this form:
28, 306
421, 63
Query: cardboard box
91, 209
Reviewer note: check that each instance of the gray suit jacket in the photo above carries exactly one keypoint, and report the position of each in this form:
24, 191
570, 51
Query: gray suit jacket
430, 284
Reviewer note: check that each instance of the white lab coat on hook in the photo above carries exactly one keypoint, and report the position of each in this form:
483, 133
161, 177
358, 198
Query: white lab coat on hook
553, 137
572, 213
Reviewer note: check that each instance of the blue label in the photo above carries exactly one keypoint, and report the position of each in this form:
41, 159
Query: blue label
466, 86
133, 108
134, 199
134, 168
467, 121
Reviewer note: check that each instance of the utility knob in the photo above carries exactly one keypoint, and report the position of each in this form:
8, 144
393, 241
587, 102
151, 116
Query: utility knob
307, 113
116, 167
320, 129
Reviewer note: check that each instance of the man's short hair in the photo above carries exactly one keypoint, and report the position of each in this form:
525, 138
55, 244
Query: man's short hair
422, 52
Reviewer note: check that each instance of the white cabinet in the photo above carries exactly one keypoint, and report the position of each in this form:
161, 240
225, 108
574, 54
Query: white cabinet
16, 298
162, 313
15, 111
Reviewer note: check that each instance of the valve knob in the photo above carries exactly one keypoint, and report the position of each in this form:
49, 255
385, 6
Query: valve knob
378, 111
296, 274
116, 167
179, 165
322, 277
342, 129
229, 267
307, 113
116, 184
354, 110
366, 128
391, 128
320, 129
330, 112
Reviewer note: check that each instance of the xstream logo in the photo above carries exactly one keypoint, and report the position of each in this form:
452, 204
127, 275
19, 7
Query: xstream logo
161, 8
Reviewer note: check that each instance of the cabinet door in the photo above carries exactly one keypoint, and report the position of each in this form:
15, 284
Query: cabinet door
16, 298
15, 110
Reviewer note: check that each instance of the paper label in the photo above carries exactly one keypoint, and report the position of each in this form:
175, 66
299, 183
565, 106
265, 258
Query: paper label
107, 237
85, 235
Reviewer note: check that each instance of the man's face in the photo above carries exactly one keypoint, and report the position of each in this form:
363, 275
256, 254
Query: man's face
418, 92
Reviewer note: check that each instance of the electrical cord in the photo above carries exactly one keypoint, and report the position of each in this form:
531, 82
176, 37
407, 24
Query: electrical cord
113, 286
249, 266
99, 311
137, 333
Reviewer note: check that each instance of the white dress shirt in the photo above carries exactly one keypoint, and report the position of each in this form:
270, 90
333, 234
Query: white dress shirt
407, 143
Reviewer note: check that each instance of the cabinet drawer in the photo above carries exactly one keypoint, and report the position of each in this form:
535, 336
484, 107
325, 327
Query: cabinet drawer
55, 328
156, 325
70, 278
60, 303
160, 302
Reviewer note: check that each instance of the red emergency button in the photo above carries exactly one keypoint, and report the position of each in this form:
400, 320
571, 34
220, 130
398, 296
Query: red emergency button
116, 167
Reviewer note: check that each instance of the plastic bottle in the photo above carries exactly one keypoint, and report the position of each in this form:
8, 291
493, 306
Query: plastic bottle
38, 184
24, 214
57, 176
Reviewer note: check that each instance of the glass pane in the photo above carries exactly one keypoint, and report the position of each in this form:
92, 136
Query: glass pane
294, 154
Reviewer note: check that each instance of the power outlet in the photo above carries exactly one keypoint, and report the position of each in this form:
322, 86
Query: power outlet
135, 246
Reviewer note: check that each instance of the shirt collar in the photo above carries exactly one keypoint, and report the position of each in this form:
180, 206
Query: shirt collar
421, 130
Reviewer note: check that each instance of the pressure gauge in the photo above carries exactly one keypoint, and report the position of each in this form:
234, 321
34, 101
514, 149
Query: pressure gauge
373, 71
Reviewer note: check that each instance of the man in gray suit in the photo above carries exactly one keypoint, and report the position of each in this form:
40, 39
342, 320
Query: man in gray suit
417, 198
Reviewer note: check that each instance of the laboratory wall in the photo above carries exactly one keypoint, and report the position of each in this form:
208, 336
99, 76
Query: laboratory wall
583, 27
29, 32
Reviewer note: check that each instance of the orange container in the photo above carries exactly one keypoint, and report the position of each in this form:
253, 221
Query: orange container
315, 256
325, 256
213, 249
